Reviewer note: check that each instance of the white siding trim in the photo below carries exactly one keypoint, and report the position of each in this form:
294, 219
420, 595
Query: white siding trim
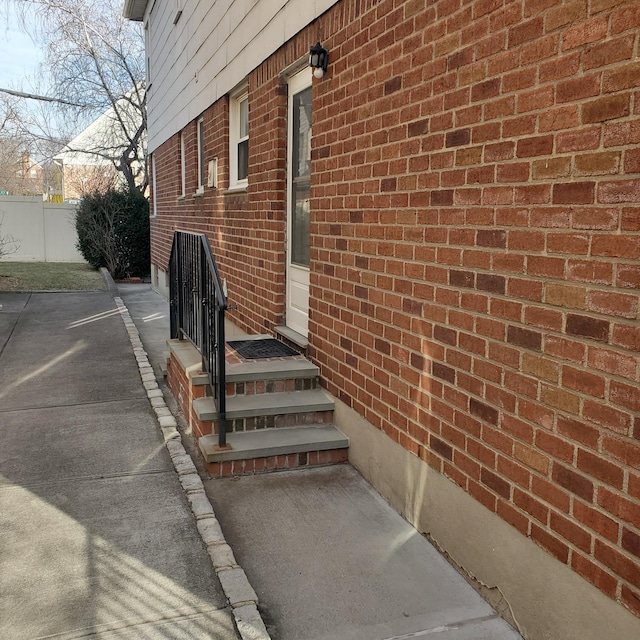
214, 45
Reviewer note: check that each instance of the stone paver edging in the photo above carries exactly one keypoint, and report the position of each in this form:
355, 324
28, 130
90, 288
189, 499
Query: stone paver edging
240, 594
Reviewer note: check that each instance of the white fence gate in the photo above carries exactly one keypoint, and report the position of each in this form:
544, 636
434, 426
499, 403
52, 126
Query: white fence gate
45, 232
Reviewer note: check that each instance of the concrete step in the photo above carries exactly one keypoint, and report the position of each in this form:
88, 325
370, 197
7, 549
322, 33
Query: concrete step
205, 409
266, 404
190, 360
271, 370
164, 362
273, 442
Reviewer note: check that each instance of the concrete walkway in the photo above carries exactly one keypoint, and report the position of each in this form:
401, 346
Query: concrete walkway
97, 538
327, 556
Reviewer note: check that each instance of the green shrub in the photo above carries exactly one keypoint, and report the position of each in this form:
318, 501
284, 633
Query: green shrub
113, 232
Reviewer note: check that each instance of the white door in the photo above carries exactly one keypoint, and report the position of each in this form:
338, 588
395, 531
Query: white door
298, 210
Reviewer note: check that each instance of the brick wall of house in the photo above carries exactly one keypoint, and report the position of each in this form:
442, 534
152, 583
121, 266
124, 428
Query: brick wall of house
475, 268
246, 229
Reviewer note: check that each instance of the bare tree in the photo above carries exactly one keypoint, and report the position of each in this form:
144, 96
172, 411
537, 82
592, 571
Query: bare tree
8, 244
80, 181
10, 146
95, 62
8, 115
18, 174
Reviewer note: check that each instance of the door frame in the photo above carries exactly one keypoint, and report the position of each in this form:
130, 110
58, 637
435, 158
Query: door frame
297, 277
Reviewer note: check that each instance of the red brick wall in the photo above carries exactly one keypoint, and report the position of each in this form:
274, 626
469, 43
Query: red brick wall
475, 265
190, 213
246, 229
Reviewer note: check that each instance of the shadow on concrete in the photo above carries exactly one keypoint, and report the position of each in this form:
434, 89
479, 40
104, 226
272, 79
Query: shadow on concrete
327, 556
97, 538
329, 559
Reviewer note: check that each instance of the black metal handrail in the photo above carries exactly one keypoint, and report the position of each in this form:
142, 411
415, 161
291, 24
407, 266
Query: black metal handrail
197, 306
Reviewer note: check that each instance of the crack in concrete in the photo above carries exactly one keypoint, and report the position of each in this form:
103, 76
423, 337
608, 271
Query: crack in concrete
104, 476
14, 325
452, 626
74, 404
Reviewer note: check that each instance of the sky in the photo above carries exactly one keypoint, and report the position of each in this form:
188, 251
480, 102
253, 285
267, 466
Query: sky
19, 56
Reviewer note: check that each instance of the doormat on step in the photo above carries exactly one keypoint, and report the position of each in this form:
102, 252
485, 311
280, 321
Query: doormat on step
267, 348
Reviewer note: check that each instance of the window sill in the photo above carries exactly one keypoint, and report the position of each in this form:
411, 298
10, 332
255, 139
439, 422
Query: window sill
199, 193
295, 337
181, 198
241, 188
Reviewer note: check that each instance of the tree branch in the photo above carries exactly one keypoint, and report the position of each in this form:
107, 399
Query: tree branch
33, 96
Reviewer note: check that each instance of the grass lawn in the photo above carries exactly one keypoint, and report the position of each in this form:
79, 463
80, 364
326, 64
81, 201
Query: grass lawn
49, 276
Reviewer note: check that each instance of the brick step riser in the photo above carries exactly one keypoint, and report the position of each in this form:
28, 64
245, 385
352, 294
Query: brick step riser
252, 466
185, 393
281, 421
254, 387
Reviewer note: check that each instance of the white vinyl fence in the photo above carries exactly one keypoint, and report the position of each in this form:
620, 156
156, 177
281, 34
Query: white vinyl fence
44, 232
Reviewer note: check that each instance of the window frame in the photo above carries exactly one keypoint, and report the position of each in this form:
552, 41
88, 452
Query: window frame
183, 166
200, 155
235, 139
147, 55
154, 187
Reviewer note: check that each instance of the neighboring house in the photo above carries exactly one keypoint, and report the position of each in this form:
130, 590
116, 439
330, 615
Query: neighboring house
88, 162
451, 217
31, 175
20, 174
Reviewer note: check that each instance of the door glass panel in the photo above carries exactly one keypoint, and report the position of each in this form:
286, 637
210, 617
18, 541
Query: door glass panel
300, 224
244, 117
243, 159
243, 137
301, 170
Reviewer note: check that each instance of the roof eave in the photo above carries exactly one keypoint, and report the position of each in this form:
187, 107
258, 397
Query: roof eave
134, 9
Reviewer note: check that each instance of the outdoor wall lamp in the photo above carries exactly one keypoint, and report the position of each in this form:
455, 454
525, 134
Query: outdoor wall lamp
318, 59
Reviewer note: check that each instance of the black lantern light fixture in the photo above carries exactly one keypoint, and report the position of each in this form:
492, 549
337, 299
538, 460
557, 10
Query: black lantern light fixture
318, 59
